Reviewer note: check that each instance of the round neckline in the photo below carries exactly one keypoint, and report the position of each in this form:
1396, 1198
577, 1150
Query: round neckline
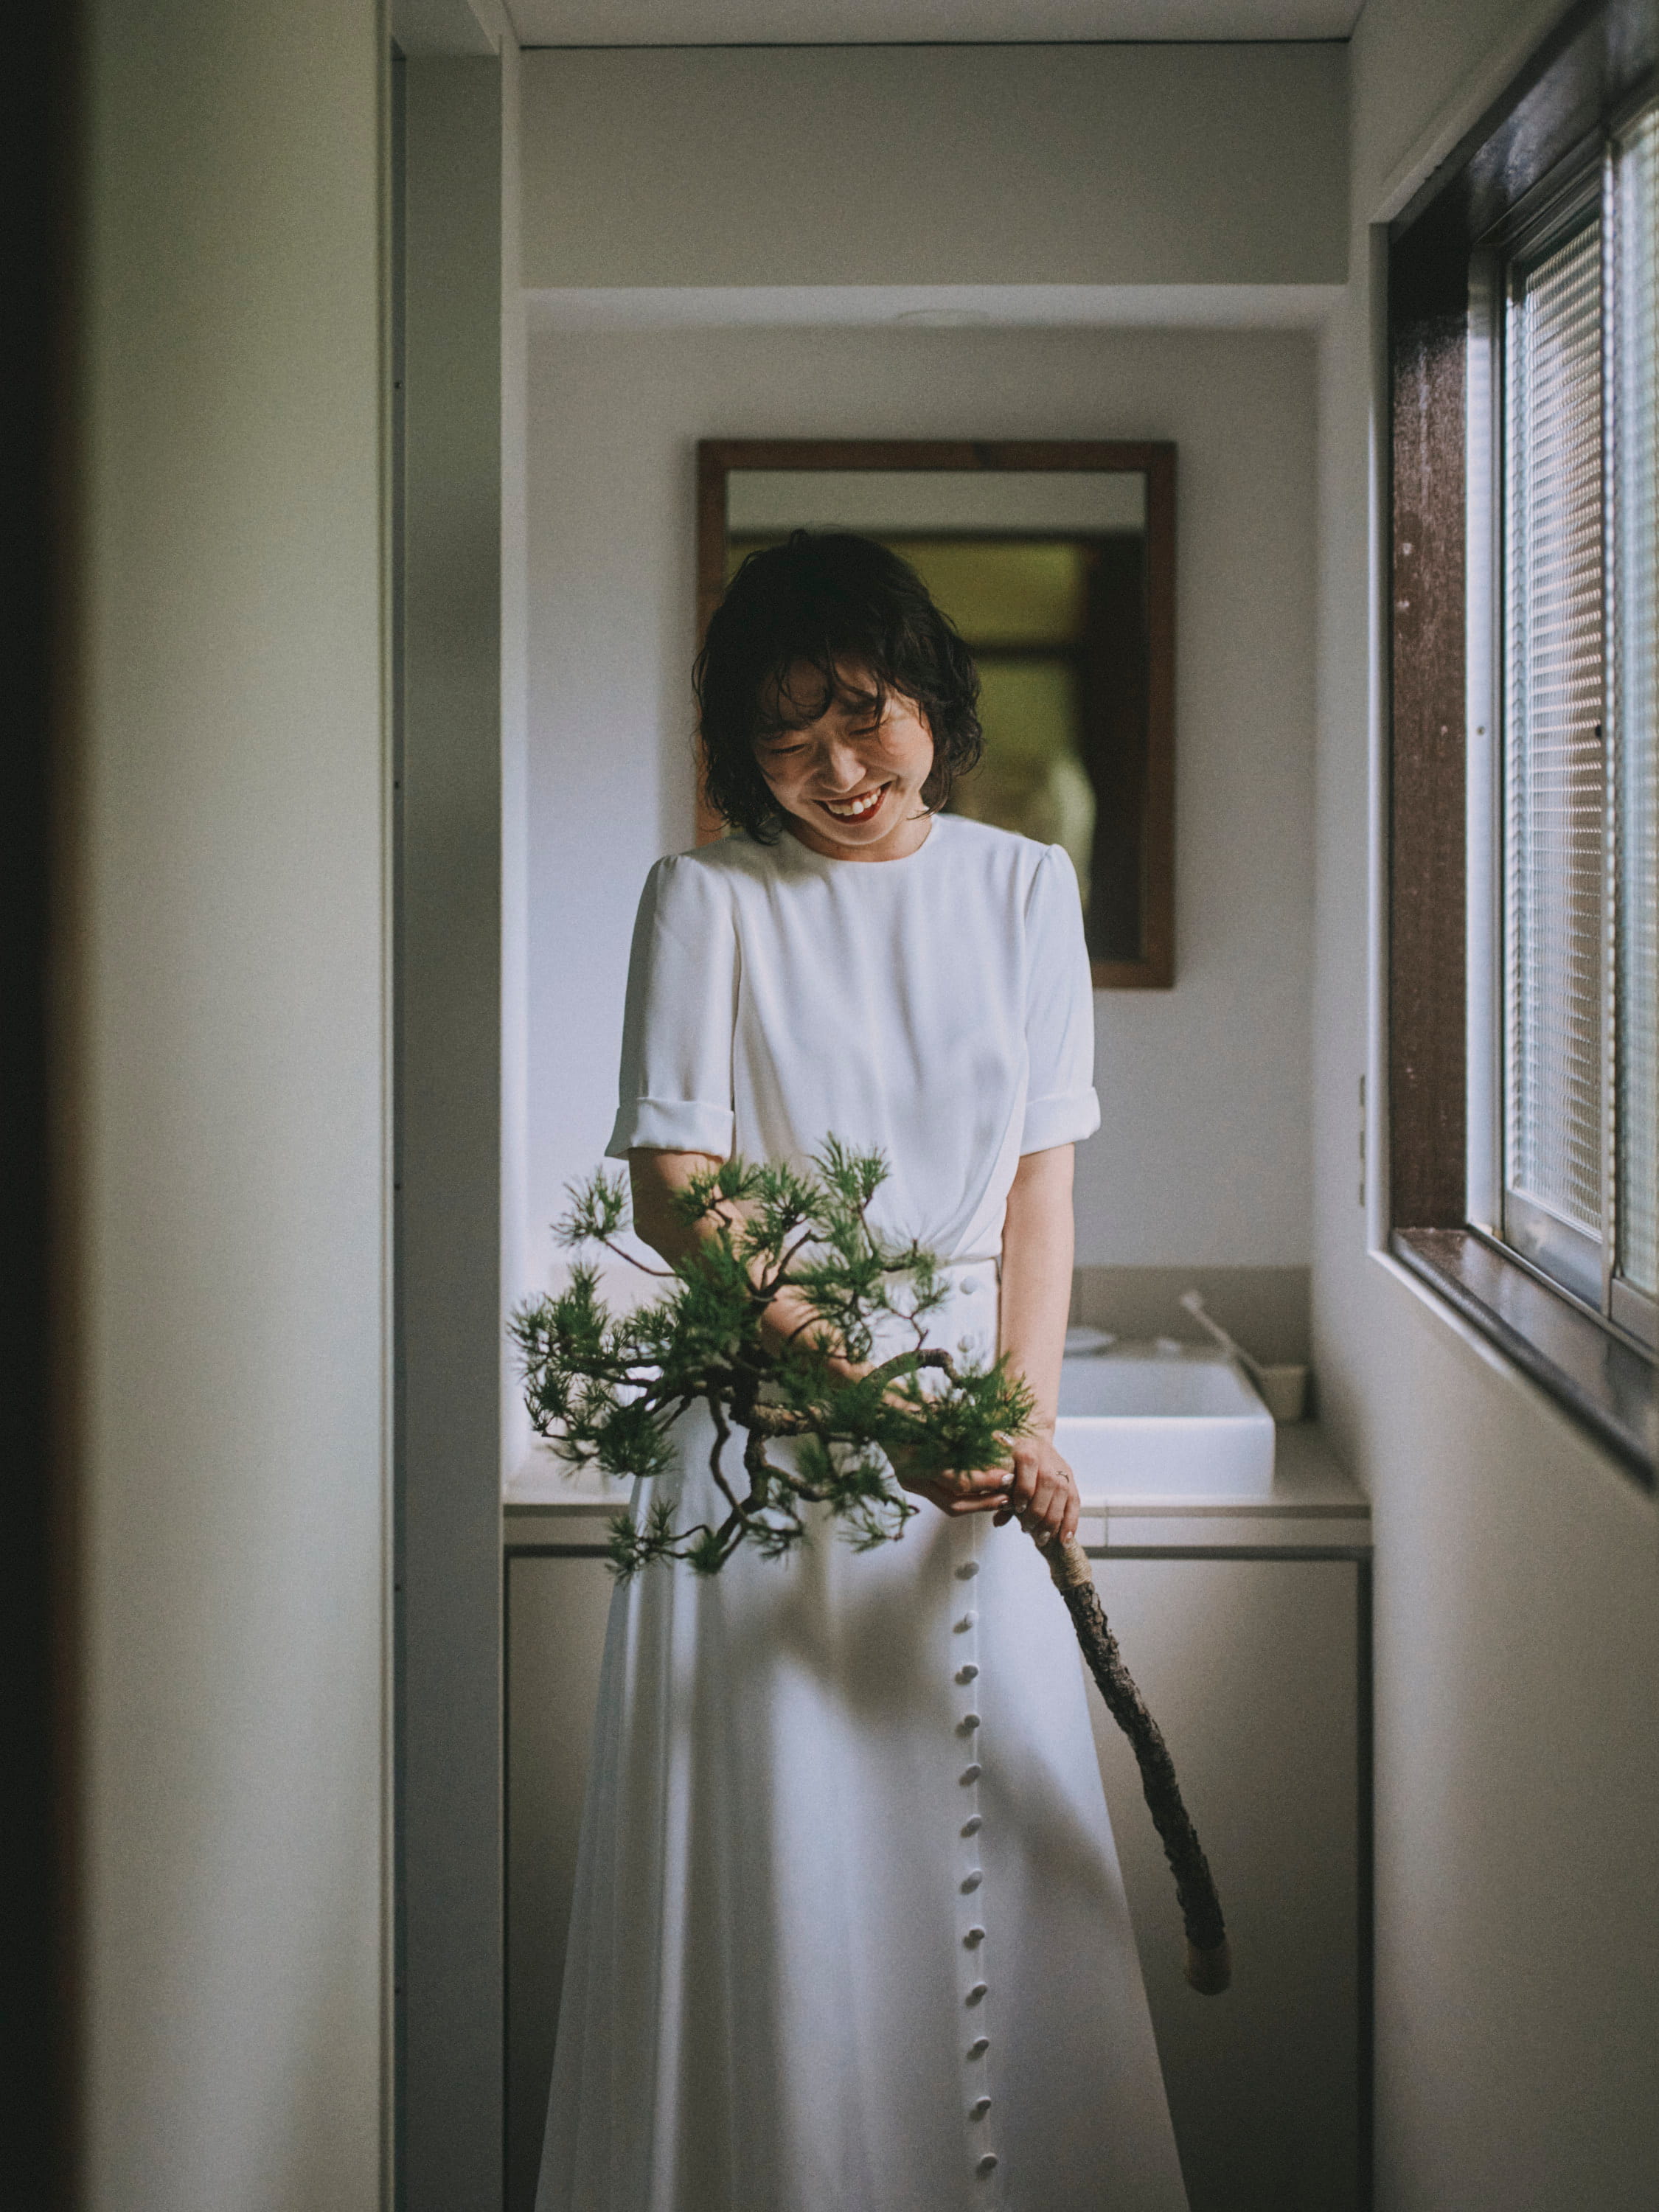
866, 867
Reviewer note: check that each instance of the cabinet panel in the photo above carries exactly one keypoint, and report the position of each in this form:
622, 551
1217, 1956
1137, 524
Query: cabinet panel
1252, 1668
556, 1616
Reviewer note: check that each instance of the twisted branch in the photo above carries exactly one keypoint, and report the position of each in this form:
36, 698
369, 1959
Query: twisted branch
1209, 1957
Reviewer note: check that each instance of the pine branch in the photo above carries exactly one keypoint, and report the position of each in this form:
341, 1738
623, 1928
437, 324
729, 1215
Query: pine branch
608, 1391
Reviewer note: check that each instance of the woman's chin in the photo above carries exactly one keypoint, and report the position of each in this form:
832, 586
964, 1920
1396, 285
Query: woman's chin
856, 840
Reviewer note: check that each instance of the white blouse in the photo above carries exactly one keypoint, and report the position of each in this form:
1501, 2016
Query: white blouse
937, 1008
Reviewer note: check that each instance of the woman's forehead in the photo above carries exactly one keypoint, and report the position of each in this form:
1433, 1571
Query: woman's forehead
807, 693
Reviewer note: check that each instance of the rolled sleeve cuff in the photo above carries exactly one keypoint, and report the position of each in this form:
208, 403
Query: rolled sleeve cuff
671, 1125
1066, 1118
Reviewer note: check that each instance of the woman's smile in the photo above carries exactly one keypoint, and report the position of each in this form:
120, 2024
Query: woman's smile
862, 808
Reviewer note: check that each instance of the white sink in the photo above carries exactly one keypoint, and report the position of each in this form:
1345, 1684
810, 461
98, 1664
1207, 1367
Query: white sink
1143, 1421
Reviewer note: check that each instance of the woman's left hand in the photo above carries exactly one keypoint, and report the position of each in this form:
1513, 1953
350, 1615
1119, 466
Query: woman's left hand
1041, 1489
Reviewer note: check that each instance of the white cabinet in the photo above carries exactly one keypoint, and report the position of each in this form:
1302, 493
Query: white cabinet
1251, 1666
556, 1614
1246, 1627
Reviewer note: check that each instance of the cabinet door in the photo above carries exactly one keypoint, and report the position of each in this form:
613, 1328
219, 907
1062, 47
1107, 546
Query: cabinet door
555, 1617
1251, 1667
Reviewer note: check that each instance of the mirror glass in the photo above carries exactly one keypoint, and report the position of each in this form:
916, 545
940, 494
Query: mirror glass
1048, 572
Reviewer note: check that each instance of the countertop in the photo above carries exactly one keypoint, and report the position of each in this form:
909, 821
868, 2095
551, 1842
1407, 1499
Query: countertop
1315, 1508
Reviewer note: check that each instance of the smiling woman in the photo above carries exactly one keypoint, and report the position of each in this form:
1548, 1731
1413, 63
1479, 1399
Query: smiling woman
853, 772
849, 1926
828, 675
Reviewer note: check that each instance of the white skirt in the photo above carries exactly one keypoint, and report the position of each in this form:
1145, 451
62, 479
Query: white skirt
848, 1932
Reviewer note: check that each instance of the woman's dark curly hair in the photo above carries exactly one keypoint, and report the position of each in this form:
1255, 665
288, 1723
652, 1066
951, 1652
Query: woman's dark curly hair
825, 599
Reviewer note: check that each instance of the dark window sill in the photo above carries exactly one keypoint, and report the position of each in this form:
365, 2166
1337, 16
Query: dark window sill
1600, 1381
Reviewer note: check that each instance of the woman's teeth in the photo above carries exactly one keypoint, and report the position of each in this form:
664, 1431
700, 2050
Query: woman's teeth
856, 809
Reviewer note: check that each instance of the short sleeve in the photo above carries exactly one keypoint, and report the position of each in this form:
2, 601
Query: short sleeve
1060, 1105
675, 1089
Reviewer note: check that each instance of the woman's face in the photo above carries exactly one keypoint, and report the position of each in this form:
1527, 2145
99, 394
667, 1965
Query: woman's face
850, 780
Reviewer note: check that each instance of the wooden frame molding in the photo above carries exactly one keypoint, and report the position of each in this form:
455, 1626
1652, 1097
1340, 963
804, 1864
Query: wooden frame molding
718, 457
1428, 847
1596, 1374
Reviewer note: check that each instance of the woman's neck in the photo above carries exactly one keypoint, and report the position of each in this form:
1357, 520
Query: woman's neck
909, 837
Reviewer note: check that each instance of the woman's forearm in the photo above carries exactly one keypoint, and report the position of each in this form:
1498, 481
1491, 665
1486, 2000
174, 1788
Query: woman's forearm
1037, 1239
655, 1180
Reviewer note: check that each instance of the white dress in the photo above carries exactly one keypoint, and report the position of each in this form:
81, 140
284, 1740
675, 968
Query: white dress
848, 1932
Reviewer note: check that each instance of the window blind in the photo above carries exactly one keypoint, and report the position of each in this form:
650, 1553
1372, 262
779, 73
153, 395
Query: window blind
1554, 778
1635, 427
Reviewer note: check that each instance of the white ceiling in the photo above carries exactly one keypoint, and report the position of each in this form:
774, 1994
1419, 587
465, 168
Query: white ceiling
827, 23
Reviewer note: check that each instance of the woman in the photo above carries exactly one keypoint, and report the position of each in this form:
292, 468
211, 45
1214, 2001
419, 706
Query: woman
849, 1933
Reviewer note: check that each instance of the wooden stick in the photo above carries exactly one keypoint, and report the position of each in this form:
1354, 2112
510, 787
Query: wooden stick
1209, 1957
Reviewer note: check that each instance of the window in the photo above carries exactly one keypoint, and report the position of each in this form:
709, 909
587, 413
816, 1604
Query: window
1524, 904
1566, 1178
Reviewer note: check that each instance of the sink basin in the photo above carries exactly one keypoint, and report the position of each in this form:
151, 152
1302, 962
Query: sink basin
1143, 1421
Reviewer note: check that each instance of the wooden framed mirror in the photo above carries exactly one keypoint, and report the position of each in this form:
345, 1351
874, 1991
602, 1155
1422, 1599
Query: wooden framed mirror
1056, 564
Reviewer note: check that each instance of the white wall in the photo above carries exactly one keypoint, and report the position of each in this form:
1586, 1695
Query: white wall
1517, 1595
224, 1173
937, 165
1204, 1088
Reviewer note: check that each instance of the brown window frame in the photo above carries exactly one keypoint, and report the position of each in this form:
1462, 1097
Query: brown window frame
1602, 58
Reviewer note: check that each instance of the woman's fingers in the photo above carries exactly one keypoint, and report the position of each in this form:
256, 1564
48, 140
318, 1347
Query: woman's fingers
1073, 1513
981, 1492
1023, 1482
1060, 1505
1023, 1489
1038, 1490
1042, 1491
1040, 1517
945, 1490
954, 1501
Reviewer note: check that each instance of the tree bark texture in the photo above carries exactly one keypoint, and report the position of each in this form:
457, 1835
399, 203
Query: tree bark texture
1209, 1959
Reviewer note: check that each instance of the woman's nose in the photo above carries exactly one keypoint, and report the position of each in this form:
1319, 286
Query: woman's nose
840, 768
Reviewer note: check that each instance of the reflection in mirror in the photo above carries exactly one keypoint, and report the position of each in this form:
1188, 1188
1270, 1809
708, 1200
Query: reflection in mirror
1055, 572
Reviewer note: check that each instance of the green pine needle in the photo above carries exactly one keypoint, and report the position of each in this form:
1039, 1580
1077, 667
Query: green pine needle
607, 1390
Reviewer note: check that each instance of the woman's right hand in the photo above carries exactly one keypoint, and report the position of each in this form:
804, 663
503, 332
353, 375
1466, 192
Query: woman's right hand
985, 1491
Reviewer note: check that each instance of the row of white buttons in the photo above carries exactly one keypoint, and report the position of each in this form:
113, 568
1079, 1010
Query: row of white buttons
975, 1991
